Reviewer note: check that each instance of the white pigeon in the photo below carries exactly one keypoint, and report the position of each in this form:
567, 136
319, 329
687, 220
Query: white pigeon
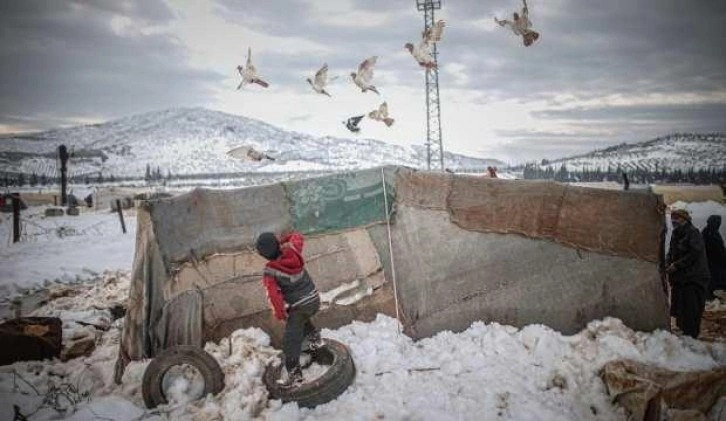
249, 73
321, 79
381, 114
423, 51
363, 77
521, 25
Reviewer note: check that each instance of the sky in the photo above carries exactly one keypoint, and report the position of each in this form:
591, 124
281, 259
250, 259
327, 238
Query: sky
602, 72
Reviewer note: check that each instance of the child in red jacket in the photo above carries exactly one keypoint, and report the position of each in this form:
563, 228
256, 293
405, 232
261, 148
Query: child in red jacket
293, 297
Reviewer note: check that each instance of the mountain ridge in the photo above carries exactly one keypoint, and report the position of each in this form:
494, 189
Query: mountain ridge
672, 151
185, 141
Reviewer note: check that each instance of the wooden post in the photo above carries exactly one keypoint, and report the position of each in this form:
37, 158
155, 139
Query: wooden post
120, 215
63, 154
16, 217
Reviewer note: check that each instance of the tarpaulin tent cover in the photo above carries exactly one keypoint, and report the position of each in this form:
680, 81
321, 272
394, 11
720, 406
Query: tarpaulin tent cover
465, 248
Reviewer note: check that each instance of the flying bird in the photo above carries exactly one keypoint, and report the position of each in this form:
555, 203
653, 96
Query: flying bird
363, 77
381, 114
321, 80
423, 51
521, 25
249, 73
352, 123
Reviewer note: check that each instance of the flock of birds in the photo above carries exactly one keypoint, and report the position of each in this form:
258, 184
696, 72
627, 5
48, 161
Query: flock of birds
363, 77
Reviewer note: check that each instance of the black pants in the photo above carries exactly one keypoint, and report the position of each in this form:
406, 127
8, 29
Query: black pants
298, 327
687, 304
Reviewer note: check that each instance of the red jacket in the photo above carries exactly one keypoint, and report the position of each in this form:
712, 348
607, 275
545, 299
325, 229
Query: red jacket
290, 262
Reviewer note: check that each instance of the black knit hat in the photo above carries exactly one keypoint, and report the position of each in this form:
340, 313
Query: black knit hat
268, 246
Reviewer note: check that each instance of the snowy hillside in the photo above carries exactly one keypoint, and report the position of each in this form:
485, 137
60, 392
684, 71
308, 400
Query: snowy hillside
676, 151
197, 141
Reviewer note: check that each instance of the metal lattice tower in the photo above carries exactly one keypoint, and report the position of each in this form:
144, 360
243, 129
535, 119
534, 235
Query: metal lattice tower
434, 144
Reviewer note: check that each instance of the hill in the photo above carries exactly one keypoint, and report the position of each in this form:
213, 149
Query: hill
185, 141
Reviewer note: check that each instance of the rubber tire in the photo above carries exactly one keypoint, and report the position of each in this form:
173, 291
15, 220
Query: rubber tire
325, 388
182, 354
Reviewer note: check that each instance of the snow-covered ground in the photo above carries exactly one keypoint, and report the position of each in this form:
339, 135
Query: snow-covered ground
63, 249
489, 371
678, 150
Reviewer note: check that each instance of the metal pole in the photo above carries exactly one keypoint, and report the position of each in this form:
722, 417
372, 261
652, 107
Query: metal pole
16, 216
434, 143
120, 215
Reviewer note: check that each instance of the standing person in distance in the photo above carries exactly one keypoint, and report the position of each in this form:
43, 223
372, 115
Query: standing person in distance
715, 254
687, 271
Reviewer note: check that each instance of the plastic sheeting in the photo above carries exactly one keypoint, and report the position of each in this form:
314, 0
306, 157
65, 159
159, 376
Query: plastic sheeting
340, 201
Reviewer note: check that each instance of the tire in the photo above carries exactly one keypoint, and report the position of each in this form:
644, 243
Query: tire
182, 354
325, 388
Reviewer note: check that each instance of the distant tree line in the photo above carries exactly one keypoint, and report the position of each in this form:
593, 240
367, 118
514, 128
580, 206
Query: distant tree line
12, 179
637, 175
18, 179
151, 176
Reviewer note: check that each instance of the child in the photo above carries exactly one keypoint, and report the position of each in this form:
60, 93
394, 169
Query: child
293, 297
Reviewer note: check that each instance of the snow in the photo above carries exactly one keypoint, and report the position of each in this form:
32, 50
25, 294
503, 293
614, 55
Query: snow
197, 141
488, 371
676, 151
700, 211
63, 249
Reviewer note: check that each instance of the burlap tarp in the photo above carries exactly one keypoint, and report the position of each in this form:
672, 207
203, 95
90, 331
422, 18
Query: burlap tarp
621, 223
648, 392
576, 255
614, 222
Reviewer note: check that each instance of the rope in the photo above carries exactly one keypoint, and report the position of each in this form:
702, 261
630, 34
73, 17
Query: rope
390, 249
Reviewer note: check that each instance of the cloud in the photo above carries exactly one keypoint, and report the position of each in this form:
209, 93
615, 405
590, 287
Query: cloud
602, 72
71, 60
672, 114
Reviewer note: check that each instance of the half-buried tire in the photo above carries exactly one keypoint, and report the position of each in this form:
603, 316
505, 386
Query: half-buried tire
339, 375
153, 381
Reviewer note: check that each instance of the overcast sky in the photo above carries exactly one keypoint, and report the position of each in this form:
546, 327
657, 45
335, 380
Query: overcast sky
602, 72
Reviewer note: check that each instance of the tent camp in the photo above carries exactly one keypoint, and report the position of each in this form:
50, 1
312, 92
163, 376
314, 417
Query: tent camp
436, 250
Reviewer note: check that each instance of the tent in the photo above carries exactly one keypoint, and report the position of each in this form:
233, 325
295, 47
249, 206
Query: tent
436, 250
